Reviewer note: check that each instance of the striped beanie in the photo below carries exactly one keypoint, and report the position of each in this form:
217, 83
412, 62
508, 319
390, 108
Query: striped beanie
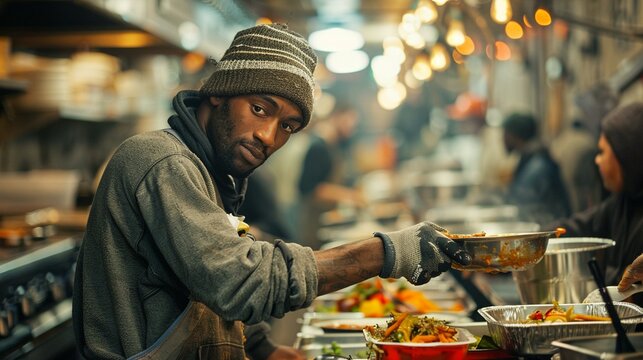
266, 59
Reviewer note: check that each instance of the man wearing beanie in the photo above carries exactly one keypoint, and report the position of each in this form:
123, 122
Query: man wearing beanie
167, 268
620, 216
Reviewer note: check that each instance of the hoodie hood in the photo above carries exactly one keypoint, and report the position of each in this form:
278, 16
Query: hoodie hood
623, 128
185, 123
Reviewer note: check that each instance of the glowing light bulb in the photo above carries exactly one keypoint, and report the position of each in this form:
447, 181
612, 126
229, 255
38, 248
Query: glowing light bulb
394, 48
440, 59
455, 33
457, 57
500, 11
440, 2
422, 68
513, 30
426, 12
467, 47
542, 17
502, 51
391, 97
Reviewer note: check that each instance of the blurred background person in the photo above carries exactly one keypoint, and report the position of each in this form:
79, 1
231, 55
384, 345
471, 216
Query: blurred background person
620, 216
410, 122
574, 151
321, 183
536, 186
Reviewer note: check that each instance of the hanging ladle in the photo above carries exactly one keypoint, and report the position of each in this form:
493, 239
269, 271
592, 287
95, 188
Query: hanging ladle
623, 344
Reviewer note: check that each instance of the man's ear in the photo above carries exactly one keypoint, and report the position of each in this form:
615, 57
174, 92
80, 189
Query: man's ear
216, 101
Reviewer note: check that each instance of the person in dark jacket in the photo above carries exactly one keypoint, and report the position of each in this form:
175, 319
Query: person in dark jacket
167, 271
536, 187
620, 216
321, 182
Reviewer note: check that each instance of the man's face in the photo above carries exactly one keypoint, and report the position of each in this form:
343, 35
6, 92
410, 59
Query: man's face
246, 130
609, 166
510, 141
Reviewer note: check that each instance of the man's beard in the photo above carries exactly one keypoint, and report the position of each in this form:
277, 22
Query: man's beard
219, 132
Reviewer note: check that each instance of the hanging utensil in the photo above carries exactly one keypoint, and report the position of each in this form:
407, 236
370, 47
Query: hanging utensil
623, 344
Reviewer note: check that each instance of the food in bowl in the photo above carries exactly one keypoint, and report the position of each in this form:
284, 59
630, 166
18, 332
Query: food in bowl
379, 297
502, 252
404, 327
557, 313
407, 336
507, 326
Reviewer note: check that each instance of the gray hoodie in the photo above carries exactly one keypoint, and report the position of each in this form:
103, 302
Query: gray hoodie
157, 235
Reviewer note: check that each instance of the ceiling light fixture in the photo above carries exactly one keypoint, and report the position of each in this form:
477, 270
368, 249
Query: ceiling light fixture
336, 39
344, 62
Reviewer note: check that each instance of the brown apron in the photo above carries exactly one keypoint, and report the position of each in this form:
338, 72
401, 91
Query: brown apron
198, 333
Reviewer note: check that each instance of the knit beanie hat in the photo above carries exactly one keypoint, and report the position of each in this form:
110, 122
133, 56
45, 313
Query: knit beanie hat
266, 59
623, 128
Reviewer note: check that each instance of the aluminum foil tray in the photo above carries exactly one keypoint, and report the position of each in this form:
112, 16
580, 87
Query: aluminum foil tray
599, 347
508, 331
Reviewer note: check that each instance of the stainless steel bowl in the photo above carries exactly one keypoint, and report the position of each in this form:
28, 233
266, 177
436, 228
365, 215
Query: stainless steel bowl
563, 274
504, 252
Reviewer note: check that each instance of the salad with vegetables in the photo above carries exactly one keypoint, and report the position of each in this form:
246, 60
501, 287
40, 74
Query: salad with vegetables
559, 314
380, 297
404, 327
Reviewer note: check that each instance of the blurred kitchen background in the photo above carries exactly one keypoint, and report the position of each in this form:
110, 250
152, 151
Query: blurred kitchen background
430, 80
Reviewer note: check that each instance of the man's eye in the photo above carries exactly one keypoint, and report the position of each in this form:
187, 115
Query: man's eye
289, 128
258, 109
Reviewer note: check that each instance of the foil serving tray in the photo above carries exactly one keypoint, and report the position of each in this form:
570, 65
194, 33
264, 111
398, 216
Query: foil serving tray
507, 329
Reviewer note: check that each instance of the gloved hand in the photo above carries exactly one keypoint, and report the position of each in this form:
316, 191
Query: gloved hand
419, 253
632, 274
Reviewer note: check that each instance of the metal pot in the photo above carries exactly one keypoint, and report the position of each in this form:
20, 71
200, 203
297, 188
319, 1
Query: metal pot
562, 274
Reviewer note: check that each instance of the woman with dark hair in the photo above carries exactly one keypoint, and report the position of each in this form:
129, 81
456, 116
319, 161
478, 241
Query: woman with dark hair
620, 216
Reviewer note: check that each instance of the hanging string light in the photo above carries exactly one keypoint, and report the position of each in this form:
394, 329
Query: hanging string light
467, 47
426, 12
440, 59
513, 30
542, 17
455, 33
422, 68
427, 55
501, 11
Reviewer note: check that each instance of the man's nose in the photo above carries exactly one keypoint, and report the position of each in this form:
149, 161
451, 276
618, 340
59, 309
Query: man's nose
267, 132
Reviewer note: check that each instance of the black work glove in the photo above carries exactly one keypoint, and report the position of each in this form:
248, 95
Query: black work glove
419, 253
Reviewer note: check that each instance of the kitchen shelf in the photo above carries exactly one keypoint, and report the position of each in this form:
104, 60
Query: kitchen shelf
12, 128
146, 26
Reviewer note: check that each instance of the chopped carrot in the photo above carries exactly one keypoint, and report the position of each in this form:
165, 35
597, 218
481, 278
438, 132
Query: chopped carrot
590, 317
442, 337
424, 338
395, 325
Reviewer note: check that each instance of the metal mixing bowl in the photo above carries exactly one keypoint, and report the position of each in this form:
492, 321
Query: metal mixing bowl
563, 274
504, 252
